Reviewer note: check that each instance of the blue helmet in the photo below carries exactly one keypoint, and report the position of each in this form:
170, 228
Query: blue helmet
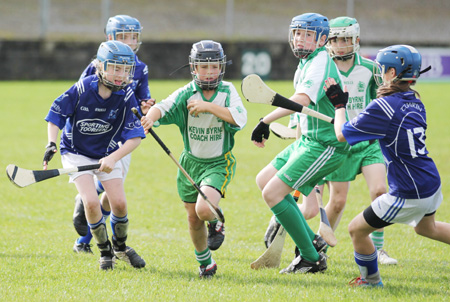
115, 57
405, 59
309, 22
122, 24
207, 52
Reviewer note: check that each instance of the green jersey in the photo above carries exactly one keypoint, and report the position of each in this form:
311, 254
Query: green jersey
204, 136
310, 79
361, 85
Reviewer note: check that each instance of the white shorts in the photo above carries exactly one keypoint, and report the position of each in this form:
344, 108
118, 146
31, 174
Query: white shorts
72, 160
394, 209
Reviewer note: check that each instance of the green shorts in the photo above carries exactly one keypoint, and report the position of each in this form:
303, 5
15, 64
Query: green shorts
361, 155
214, 172
305, 162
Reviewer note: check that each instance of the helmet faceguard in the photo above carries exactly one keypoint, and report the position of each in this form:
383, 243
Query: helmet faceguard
346, 28
303, 26
207, 62
405, 59
115, 65
126, 29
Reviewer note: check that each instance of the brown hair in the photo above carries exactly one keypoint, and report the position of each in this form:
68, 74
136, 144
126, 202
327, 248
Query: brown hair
394, 87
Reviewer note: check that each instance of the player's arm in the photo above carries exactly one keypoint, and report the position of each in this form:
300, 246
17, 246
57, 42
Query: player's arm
339, 99
199, 106
108, 162
153, 115
261, 132
51, 148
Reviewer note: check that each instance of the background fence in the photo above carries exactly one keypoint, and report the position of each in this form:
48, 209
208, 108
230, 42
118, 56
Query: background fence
55, 39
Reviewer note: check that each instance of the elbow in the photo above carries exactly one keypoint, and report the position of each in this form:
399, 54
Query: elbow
341, 138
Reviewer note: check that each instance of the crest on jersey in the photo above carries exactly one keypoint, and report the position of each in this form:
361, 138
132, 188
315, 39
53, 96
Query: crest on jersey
361, 86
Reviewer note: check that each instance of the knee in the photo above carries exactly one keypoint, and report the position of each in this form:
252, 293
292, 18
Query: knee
378, 191
261, 180
337, 205
352, 229
194, 222
309, 212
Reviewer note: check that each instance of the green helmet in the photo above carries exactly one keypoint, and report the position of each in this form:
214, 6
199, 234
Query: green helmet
343, 27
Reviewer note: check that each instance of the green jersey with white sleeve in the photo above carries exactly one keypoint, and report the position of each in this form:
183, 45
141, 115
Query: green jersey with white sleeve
205, 136
310, 79
361, 85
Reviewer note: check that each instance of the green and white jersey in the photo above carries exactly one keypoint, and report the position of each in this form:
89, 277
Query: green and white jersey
310, 79
361, 85
204, 136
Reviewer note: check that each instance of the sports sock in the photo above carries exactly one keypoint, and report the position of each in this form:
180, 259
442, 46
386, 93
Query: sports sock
291, 199
295, 224
204, 258
378, 239
368, 266
99, 187
85, 239
115, 220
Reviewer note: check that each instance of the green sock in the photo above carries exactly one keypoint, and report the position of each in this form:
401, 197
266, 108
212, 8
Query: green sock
291, 200
378, 239
204, 258
295, 224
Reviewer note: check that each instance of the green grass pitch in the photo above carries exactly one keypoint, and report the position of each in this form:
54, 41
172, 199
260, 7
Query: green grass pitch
36, 232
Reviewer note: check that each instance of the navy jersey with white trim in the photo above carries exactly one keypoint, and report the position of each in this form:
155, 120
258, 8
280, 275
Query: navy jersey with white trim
399, 123
91, 125
140, 79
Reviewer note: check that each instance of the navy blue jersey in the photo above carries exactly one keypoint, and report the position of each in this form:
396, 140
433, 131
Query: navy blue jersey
399, 122
140, 79
91, 125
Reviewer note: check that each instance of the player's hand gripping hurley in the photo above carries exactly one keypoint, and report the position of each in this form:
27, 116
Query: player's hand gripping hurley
216, 211
256, 91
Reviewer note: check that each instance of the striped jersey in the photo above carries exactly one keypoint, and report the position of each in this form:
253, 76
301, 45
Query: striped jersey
205, 135
310, 79
91, 125
399, 123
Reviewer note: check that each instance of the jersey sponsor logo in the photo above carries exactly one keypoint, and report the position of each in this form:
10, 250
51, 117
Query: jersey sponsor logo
361, 86
355, 103
113, 114
56, 107
308, 84
100, 109
93, 126
417, 106
84, 108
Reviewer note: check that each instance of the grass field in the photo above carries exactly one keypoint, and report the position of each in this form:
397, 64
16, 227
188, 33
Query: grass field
36, 232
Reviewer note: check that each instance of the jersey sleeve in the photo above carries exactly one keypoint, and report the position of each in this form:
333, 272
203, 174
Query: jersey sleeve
237, 110
174, 108
90, 70
142, 91
133, 127
370, 124
63, 107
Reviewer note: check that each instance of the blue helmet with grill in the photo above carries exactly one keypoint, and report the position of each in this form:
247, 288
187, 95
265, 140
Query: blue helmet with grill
122, 24
405, 59
310, 22
116, 59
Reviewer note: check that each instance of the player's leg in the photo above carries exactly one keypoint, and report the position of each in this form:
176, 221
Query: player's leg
436, 230
336, 204
375, 175
364, 252
216, 229
82, 243
86, 187
119, 222
198, 233
277, 196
